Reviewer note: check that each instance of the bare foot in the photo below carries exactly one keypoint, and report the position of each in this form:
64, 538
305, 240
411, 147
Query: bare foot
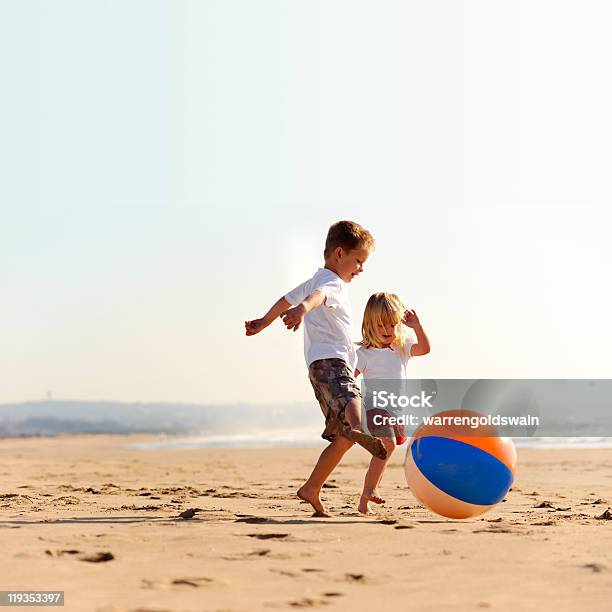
373, 497
370, 443
312, 497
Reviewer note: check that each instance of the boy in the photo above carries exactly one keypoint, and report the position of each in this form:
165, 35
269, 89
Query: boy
323, 304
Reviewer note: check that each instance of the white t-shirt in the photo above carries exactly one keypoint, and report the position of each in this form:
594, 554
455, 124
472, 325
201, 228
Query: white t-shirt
327, 328
383, 363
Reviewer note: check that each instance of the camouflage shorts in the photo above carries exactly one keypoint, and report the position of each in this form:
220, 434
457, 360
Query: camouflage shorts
334, 386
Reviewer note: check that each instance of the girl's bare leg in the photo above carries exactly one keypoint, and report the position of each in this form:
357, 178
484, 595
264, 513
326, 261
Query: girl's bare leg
373, 477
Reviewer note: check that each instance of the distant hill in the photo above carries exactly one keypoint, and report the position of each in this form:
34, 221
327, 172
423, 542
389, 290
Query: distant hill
54, 417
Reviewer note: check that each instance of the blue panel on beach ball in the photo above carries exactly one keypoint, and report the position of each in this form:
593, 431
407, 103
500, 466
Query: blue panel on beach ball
461, 470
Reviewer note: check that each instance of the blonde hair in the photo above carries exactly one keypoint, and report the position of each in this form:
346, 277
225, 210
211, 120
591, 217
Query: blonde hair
383, 309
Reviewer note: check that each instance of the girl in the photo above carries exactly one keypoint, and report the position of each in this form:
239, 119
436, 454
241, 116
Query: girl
383, 354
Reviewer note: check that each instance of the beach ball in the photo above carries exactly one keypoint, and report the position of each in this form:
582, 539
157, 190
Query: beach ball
458, 470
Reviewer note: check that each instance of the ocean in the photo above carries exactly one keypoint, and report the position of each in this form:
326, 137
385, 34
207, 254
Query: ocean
288, 438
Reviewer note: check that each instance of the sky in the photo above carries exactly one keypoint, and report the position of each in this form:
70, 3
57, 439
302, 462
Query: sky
171, 168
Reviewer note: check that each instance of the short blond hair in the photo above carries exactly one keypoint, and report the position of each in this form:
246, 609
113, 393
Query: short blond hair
348, 235
383, 309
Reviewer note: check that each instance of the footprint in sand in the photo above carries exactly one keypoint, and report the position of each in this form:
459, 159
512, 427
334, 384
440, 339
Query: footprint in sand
193, 582
308, 602
16, 499
358, 578
268, 536
59, 553
251, 519
544, 504
284, 572
190, 581
97, 557
189, 513
262, 552
134, 507
596, 568
67, 500
231, 494
606, 516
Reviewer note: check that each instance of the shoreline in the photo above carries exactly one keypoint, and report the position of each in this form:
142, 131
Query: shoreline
173, 441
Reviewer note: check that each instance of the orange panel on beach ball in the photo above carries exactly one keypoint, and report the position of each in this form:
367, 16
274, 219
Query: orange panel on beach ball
459, 471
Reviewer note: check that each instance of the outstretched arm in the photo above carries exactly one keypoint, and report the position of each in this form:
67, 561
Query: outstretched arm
256, 325
292, 317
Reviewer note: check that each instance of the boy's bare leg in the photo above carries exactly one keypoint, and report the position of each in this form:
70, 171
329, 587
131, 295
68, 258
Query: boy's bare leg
310, 491
373, 478
352, 412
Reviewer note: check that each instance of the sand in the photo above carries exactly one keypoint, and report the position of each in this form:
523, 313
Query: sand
254, 545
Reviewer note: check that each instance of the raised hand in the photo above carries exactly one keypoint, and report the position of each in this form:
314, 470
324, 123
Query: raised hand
410, 318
